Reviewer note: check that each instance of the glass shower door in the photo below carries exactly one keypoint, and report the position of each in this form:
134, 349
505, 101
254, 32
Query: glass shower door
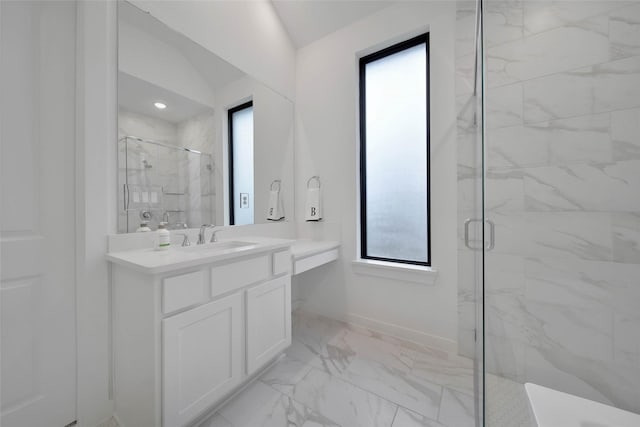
562, 185
471, 239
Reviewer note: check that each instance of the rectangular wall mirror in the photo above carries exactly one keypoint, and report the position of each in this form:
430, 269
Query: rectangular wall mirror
199, 141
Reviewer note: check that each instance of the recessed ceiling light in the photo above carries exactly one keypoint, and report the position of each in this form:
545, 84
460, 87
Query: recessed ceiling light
160, 105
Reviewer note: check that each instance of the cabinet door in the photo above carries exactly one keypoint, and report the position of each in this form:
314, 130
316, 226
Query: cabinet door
268, 321
201, 358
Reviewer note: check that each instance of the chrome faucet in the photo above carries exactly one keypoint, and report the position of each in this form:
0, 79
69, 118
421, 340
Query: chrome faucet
203, 230
185, 240
214, 237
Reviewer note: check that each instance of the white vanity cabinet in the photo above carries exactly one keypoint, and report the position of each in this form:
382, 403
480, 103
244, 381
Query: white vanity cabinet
202, 358
268, 322
185, 340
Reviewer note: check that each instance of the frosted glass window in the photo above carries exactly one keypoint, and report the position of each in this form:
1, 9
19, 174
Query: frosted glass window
395, 153
241, 161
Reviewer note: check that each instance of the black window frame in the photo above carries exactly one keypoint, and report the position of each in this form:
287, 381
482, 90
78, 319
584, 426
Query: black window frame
399, 47
230, 114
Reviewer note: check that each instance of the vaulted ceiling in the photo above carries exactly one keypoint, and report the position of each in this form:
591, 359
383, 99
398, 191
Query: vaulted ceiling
309, 20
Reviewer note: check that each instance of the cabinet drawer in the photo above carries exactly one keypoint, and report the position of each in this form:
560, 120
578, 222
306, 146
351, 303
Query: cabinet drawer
228, 277
183, 291
281, 262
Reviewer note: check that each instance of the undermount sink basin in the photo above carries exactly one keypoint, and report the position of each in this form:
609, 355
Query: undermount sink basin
216, 247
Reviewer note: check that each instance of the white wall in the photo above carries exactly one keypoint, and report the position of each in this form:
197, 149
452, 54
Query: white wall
248, 34
96, 198
326, 145
147, 127
153, 61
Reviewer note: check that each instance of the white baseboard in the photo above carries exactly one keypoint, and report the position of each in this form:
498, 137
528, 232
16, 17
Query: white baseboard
392, 330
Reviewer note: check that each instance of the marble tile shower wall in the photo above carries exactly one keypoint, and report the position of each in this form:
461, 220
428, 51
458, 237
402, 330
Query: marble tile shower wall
183, 180
563, 188
561, 178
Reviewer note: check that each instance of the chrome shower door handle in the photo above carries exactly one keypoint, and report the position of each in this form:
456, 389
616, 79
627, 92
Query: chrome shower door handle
467, 242
126, 197
492, 234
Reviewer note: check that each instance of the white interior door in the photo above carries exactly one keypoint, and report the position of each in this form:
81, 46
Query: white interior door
37, 238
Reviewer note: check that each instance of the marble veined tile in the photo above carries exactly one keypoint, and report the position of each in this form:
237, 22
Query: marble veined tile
504, 190
396, 385
503, 273
362, 346
590, 90
330, 359
584, 235
583, 187
624, 31
626, 339
552, 325
542, 16
584, 283
625, 128
216, 420
503, 21
465, 28
517, 147
626, 237
261, 405
311, 336
504, 106
450, 370
504, 357
457, 409
286, 374
407, 418
343, 402
584, 139
560, 49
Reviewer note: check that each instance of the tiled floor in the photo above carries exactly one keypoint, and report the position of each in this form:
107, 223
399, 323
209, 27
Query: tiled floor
335, 375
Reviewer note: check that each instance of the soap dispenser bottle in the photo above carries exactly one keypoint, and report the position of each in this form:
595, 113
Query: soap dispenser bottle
164, 237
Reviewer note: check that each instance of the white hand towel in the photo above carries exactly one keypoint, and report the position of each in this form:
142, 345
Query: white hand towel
276, 206
313, 209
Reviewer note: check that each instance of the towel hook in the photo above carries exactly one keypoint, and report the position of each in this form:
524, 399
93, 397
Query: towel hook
316, 178
276, 181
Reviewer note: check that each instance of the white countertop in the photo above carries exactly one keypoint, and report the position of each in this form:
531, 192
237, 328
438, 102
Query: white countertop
151, 261
304, 248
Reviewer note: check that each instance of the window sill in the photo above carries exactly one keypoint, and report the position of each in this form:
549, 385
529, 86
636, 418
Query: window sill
396, 271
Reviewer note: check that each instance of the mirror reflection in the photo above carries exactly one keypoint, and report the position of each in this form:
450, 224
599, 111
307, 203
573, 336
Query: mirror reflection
199, 141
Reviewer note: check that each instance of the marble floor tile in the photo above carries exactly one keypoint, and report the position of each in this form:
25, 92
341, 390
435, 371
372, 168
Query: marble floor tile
450, 371
261, 405
456, 409
343, 402
286, 374
330, 359
362, 346
406, 418
396, 385
336, 374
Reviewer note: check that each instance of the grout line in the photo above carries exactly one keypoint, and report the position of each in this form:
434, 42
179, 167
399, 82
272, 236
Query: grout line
394, 416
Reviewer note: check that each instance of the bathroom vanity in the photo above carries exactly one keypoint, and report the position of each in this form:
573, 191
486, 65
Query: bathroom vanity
193, 324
